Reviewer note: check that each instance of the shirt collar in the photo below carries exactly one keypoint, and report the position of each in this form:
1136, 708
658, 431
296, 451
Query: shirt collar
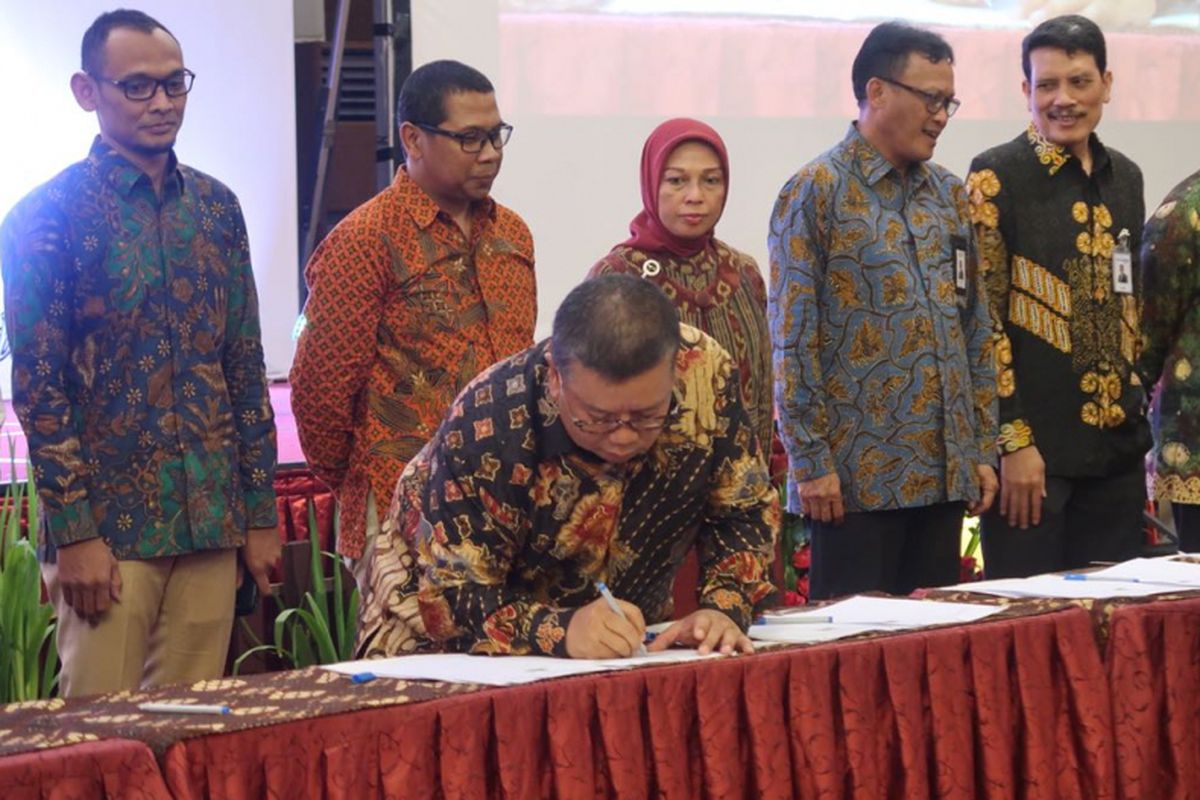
872, 165
424, 209
121, 172
1054, 156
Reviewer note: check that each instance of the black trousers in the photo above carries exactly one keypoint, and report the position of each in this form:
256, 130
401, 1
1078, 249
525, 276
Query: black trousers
1083, 520
1187, 525
892, 551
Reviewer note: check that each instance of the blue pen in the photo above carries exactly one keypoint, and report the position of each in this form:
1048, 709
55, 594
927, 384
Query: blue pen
363, 677
1083, 576
602, 588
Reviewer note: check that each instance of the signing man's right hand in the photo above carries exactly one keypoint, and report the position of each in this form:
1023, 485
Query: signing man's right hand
89, 577
1022, 487
821, 499
596, 631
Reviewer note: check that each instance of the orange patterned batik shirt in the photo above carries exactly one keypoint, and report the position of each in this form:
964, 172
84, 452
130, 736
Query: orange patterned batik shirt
403, 310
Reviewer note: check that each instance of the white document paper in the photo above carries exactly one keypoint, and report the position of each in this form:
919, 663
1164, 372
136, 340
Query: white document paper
891, 612
1181, 575
462, 668
863, 614
808, 634
1058, 586
501, 670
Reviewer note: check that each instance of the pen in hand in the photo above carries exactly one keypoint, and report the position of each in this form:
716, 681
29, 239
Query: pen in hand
602, 588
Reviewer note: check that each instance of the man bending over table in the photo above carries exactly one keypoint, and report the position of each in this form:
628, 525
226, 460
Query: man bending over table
599, 455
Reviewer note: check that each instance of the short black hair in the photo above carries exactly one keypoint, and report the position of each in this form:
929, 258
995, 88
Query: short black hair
1070, 32
91, 51
618, 325
423, 95
884, 53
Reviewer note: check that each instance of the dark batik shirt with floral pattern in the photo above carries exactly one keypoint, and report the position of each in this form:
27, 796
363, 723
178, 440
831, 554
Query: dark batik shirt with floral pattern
137, 362
501, 525
883, 368
1046, 232
1171, 325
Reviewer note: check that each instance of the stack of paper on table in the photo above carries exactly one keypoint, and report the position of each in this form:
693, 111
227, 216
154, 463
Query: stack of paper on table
861, 615
1138, 577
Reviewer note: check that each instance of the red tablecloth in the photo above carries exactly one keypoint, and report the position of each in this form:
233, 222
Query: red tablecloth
1014, 708
112, 769
1154, 675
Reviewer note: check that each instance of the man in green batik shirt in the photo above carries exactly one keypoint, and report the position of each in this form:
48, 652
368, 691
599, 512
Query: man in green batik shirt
1171, 358
138, 379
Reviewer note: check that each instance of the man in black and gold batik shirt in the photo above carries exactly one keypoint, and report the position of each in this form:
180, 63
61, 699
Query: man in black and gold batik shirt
1058, 218
600, 455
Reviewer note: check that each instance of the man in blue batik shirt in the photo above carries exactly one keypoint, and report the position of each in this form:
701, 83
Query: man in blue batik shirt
884, 382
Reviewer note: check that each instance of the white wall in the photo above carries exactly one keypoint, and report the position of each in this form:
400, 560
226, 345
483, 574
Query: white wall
239, 126
574, 177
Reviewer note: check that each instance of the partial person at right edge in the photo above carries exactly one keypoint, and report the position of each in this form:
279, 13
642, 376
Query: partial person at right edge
1170, 273
1058, 217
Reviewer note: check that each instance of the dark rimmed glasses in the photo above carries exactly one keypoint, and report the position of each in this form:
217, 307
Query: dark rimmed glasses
934, 102
609, 425
472, 141
143, 87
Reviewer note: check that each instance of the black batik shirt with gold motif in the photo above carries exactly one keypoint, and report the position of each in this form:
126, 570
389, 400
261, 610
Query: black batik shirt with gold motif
501, 525
1046, 233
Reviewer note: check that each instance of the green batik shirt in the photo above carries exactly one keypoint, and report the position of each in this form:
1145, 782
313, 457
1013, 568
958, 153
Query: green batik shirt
138, 370
1171, 327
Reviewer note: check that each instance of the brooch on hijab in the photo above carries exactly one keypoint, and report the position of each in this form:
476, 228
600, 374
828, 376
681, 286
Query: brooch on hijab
651, 268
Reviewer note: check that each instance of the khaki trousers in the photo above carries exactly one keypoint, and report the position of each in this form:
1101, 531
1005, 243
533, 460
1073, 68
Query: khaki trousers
171, 625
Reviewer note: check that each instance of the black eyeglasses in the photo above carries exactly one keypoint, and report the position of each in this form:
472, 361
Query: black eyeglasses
933, 102
143, 87
472, 141
604, 427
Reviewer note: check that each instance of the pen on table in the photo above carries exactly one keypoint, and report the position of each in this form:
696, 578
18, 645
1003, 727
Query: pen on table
793, 620
1084, 576
182, 708
363, 677
602, 588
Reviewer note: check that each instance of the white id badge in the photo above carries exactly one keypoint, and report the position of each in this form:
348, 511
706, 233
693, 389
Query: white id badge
960, 269
1122, 269
1122, 265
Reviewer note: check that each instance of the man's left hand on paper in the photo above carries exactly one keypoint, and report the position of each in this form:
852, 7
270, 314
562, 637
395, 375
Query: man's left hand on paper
708, 631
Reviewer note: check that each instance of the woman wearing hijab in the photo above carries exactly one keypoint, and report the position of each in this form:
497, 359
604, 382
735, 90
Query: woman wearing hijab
685, 178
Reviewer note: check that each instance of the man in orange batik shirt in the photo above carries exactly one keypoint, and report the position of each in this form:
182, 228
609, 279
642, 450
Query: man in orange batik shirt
409, 297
